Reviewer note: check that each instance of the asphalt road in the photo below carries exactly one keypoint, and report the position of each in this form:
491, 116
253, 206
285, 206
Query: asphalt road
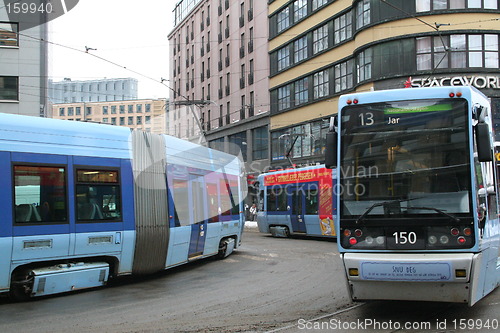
268, 285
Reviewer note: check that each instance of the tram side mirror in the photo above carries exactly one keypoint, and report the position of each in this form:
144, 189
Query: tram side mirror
331, 145
483, 143
479, 113
331, 150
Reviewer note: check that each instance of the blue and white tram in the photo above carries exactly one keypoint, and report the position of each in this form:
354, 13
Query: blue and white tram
82, 203
424, 223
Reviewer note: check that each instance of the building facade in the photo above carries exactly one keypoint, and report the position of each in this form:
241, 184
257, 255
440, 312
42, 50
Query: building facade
220, 77
320, 49
148, 115
23, 65
102, 90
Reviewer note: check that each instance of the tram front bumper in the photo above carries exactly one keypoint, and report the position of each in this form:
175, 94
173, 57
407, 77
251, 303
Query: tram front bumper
414, 277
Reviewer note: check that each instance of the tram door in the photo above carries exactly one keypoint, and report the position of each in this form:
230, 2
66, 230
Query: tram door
296, 210
198, 218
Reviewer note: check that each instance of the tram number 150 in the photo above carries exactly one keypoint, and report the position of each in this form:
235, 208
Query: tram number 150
405, 237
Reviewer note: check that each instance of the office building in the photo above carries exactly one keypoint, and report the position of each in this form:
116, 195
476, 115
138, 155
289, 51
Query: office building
320, 49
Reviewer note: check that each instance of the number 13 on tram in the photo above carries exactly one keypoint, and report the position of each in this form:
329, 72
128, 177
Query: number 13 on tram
423, 224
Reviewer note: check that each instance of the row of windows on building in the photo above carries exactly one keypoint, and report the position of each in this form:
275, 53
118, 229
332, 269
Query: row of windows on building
105, 109
305, 140
180, 11
364, 12
138, 120
455, 51
91, 87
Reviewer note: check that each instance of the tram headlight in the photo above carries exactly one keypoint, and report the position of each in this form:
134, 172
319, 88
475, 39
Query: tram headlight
432, 240
444, 239
369, 240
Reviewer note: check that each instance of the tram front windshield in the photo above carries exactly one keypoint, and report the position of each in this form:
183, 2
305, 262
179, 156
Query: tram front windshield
405, 159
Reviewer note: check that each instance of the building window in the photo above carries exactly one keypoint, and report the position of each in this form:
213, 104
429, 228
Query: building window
283, 19
237, 144
8, 34
318, 3
343, 76
130, 120
61, 112
138, 108
104, 110
78, 111
321, 84
299, 9
148, 107
363, 14
432, 5
147, 120
139, 120
113, 109
342, 28
122, 121
260, 143
284, 97
300, 49
364, 69
320, 39
464, 51
122, 108
130, 109
283, 58
9, 88
302, 91
70, 111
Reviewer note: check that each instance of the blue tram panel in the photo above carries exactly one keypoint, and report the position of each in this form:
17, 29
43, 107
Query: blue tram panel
418, 219
88, 202
298, 202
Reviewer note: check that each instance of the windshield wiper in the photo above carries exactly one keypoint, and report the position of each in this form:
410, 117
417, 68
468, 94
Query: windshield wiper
442, 212
378, 204
384, 203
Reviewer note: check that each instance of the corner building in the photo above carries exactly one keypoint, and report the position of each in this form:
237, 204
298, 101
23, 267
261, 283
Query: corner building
219, 77
321, 49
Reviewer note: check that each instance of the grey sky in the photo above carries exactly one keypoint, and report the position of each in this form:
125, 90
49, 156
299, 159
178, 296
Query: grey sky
132, 34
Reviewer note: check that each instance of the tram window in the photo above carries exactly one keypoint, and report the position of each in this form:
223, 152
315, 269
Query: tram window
271, 200
235, 209
282, 201
312, 202
40, 194
213, 203
98, 195
225, 198
181, 202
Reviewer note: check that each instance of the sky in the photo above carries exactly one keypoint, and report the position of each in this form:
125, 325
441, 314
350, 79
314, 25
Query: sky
132, 34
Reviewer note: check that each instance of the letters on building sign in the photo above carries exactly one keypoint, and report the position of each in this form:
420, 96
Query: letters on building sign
480, 82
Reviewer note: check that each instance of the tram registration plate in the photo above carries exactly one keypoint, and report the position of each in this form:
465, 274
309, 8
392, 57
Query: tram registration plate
401, 271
